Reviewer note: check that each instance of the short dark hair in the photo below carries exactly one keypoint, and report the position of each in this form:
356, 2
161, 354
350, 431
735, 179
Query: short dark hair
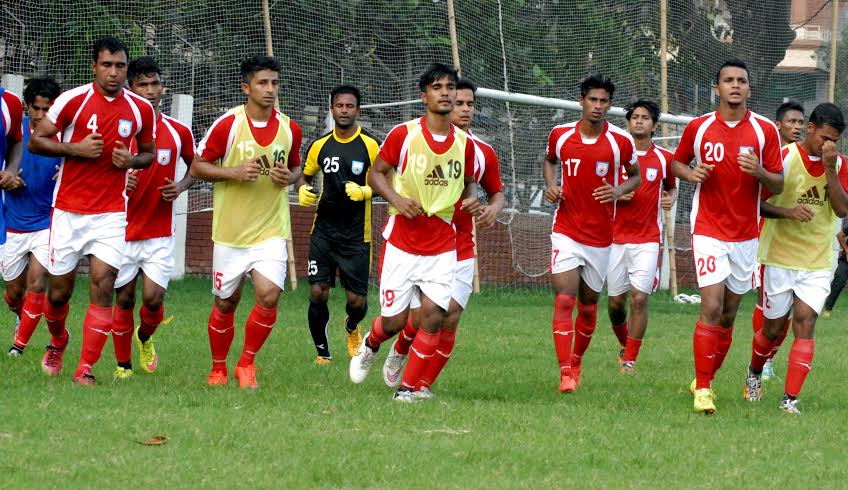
648, 105
145, 65
466, 84
345, 89
829, 114
785, 107
436, 71
41, 87
111, 44
734, 63
596, 81
253, 64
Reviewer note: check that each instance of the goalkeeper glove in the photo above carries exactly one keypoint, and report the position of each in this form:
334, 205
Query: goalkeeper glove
305, 196
357, 192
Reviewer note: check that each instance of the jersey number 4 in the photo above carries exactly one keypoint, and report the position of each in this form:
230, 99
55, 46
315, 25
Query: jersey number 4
92, 123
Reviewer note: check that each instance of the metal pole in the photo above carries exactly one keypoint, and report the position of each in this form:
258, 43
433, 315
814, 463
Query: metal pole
669, 221
269, 49
834, 38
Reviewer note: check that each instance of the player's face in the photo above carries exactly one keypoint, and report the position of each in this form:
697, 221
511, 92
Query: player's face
37, 110
733, 87
262, 88
641, 124
150, 87
439, 96
345, 110
790, 126
110, 71
463, 109
595, 104
818, 136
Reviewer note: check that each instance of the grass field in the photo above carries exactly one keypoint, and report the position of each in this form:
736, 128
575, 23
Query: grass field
497, 421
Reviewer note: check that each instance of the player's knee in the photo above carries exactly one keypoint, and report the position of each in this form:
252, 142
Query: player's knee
227, 305
153, 300
319, 293
59, 297
267, 299
14, 292
639, 301
356, 302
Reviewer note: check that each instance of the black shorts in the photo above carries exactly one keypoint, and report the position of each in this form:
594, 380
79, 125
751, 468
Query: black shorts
351, 259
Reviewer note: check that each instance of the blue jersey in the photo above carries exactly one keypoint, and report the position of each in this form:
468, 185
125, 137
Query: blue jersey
28, 208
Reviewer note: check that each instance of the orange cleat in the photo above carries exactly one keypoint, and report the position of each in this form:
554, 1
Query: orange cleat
246, 377
217, 378
567, 384
575, 373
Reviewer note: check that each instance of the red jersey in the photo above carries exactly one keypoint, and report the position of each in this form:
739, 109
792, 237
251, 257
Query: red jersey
422, 235
219, 138
12, 113
148, 215
727, 205
95, 185
585, 165
486, 173
639, 219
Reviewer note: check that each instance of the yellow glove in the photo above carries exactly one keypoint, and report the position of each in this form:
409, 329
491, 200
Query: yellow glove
357, 192
305, 196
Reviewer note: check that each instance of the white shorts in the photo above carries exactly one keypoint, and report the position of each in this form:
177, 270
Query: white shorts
463, 285
154, 256
73, 236
757, 280
404, 276
230, 265
567, 254
781, 286
19, 246
632, 264
718, 261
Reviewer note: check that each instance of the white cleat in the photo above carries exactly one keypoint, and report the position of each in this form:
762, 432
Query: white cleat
405, 396
423, 394
789, 405
361, 363
393, 367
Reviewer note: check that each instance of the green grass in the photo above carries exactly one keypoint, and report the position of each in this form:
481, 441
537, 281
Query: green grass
497, 421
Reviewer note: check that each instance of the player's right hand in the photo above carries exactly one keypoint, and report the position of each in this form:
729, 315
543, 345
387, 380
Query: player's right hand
132, 181
10, 182
553, 193
90, 147
700, 173
248, 171
305, 196
627, 197
801, 213
409, 208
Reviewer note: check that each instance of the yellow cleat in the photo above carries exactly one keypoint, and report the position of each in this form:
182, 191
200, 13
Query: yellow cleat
147, 352
704, 401
354, 340
323, 361
692, 390
826, 313
123, 373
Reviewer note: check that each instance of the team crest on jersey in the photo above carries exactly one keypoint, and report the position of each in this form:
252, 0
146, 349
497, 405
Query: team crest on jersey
357, 167
601, 168
124, 128
746, 149
163, 156
651, 174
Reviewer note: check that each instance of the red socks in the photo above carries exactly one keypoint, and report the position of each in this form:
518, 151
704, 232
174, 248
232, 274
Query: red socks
95, 332
761, 349
704, 345
757, 319
122, 329
563, 330
55, 318
407, 335
17, 306
725, 338
256, 331
443, 352
420, 354
150, 320
587, 319
621, 333
32, 309
221, 333
377, 336
631, 349
800, 362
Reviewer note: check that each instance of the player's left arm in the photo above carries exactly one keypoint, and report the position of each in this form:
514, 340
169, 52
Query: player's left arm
470, 204
770, 171
146, 139
669, 193
358, 192
837, 178
491, 183
171, 190
10, 177
608, 193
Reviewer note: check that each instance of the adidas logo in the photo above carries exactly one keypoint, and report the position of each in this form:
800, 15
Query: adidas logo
812, 197
436, 177
265, 165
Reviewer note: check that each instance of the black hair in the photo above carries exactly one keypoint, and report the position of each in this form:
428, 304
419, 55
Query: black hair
466, 84
110, 44
345, 89
734, 63
41, 87
646, 104
434, 72
251, 65
596, 81
145, 65
785, 107
829, 114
